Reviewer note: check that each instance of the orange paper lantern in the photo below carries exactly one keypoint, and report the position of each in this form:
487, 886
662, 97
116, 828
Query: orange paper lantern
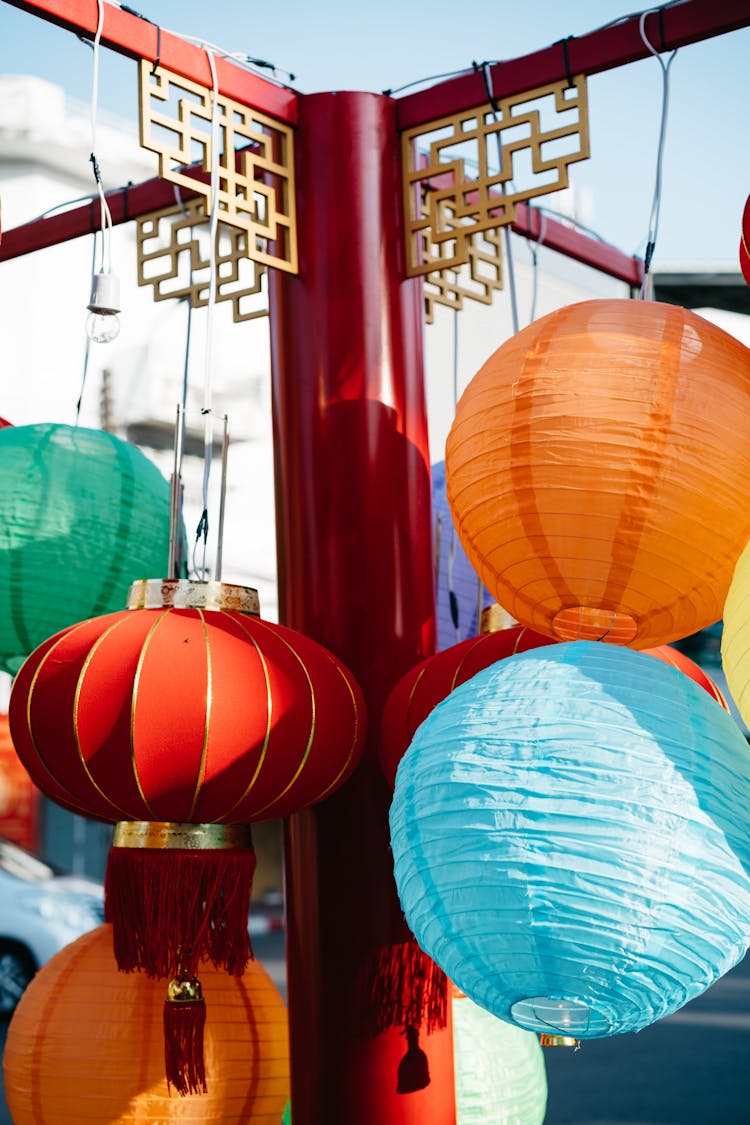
85, 1044
598, 471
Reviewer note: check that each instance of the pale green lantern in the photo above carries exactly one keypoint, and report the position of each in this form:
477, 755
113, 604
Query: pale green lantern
82, 515
500, 1075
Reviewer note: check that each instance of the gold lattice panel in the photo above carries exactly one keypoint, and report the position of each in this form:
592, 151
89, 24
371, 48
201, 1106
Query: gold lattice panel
470, 185
256, 162
173, 257
477, 280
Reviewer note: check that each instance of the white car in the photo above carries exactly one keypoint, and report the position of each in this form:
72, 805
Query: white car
40, 912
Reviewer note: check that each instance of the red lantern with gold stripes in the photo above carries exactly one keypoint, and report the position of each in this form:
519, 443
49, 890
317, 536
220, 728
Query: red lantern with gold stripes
183, 719
427, 684
745, 242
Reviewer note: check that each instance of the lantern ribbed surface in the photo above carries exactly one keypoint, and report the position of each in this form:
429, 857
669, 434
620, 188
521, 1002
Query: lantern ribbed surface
571, 839
85, 1045
82, 515
427, 684
597, 471
187, 715
500, 1074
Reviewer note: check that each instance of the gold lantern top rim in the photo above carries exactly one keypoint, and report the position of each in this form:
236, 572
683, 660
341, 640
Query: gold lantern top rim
185, 593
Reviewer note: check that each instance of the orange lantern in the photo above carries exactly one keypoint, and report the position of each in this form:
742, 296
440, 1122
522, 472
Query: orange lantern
598, 471
85, 1045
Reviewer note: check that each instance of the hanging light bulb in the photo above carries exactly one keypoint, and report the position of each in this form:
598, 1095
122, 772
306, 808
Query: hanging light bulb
103, 324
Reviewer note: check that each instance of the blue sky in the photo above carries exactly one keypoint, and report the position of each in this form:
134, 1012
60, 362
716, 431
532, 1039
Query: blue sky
341, 45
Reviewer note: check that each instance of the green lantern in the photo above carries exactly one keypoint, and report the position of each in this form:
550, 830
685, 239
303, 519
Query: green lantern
82, 515
500, 1075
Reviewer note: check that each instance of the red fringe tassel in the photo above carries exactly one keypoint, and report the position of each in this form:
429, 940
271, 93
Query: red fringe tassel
170, 908
183, 1046
402, 987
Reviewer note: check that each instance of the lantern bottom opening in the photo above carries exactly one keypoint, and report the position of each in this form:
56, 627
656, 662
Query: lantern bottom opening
592, 623
552, 1015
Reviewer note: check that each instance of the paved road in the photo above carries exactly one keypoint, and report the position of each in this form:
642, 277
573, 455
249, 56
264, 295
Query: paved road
692, 1069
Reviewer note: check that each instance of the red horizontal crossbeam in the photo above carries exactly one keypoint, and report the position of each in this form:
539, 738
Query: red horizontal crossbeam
530, 222
136, 37
125, 204
131, 202
605, 49
575, 244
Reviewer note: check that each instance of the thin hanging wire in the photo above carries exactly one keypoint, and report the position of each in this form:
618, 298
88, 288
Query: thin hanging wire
175, 500
87, 348
494, 62
535, 247
509, 264
241, 58
176, 558
222, 501
653, 223
206, 410
189, 324
106, 217
452, 596
510, 269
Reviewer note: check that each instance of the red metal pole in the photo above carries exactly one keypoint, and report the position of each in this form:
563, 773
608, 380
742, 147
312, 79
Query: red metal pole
355, 572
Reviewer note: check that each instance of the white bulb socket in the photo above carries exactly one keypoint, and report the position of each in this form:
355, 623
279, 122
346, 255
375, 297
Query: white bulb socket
105, 293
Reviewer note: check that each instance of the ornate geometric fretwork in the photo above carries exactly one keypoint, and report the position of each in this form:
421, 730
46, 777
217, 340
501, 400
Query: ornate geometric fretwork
256, 163
174, 260
478, 279
542, 132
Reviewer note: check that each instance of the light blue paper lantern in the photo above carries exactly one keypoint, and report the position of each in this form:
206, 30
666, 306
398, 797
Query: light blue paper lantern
500, 1074
571, 837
